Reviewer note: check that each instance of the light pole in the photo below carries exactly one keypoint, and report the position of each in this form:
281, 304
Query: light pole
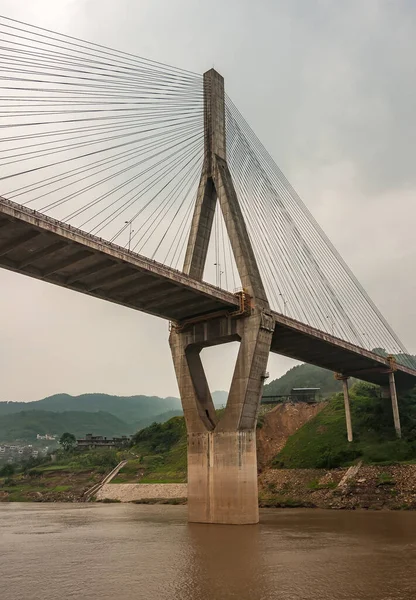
331, 320
218, 273
284, 304
129, 223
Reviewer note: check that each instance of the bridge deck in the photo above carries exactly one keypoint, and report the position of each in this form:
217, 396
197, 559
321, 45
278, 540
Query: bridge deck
41, 247
38, 246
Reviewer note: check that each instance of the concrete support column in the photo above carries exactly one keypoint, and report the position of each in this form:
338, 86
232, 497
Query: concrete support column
222, 477
347, 408
222, 465
222, 459
344, 379
395, 406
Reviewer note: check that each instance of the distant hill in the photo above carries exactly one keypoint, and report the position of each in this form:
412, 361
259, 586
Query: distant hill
310, 376
165, 416
131, 409
219, 398
303, 376
85, 414
25, 425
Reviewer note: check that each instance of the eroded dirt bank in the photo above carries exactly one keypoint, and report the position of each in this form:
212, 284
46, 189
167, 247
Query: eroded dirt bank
280, 423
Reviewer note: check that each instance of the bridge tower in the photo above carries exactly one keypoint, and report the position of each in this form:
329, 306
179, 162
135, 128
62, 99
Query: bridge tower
222, 461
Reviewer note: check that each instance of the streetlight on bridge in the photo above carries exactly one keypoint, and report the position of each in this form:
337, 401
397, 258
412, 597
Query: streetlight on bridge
130, 231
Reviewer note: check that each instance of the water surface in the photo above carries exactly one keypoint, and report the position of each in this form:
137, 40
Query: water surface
134, 552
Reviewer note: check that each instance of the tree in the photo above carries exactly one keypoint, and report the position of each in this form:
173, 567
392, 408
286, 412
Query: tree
7, 471
68, 441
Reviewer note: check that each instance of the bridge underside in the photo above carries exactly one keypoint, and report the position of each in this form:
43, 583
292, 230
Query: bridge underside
40, 247
45, 249
306, 344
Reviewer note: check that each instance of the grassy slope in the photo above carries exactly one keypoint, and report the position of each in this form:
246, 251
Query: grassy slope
321, 443
64, 480
160, 454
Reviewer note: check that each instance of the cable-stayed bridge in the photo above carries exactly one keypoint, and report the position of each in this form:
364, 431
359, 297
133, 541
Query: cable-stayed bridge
142, 184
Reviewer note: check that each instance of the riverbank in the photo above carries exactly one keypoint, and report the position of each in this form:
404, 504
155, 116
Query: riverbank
365, 486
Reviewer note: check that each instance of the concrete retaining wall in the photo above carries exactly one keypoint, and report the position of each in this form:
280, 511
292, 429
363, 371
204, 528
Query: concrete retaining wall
128, 492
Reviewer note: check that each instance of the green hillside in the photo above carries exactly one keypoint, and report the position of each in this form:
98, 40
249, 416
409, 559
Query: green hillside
303, 376
322, 443
25, 425
310, 376
161, 451
139, 411
131, 409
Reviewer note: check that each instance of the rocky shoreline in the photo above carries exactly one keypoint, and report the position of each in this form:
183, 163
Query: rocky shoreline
359, 487
367, 487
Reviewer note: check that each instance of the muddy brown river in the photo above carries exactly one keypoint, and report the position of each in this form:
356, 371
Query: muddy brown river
134, 552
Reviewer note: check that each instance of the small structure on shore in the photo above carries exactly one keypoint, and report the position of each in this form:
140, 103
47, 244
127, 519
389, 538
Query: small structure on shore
304, 394
98, 441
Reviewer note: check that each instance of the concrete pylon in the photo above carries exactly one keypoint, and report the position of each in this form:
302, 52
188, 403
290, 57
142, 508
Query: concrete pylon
222, 459
389, 391
345, 390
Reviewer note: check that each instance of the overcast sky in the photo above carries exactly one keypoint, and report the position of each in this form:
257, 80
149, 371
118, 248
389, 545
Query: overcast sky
329, 87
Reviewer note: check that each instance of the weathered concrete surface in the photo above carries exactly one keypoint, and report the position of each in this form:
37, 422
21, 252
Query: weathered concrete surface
347, 408
41, 247
222, 478
128, 492
395, 406
222, 463
95, 488
216, 183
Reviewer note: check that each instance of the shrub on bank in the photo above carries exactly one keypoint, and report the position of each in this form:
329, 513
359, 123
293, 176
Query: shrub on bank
322, 442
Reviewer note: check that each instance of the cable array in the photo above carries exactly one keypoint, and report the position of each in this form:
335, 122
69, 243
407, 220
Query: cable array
100, 139
304, 275
114, 144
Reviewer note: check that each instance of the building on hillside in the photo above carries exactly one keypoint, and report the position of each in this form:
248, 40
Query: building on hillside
305, 394
98, 441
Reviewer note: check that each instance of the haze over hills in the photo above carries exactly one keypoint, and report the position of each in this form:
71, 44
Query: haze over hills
99, 414
105, 414
25, 425
310, 376
303, 376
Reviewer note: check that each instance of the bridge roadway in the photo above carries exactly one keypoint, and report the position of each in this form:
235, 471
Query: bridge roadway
41, 247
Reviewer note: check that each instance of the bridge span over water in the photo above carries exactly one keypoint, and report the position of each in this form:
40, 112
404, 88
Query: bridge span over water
115, 170
36, 245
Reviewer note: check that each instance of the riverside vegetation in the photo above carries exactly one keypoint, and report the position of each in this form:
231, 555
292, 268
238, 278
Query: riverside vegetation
306, 456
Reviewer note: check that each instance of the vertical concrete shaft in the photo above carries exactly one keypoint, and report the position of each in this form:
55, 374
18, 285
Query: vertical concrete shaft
222, 462
216, 183
214, 145
347, 408
222, 459
395, 406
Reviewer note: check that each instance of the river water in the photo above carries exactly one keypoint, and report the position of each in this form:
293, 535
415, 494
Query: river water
134, 552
